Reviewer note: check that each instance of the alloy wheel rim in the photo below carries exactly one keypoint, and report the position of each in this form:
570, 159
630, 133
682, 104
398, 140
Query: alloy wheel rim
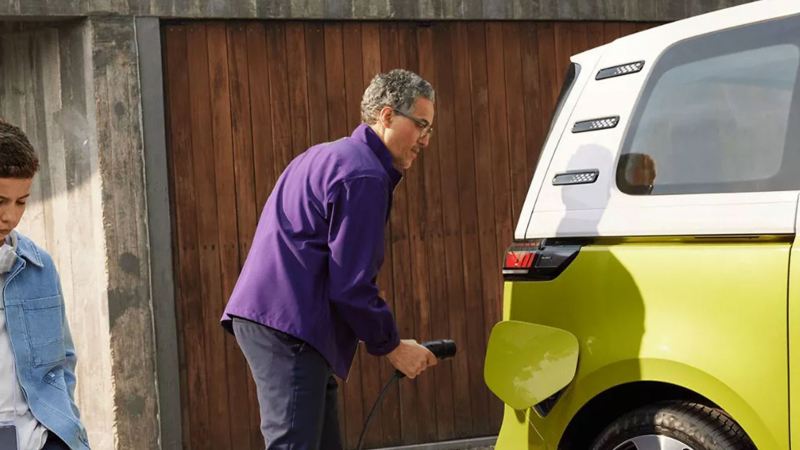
653, 442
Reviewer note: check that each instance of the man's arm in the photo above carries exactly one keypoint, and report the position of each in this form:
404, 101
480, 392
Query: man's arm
358, 209
356, 240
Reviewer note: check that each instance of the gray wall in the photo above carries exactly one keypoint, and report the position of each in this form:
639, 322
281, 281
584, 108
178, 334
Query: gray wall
74, 88
641, 10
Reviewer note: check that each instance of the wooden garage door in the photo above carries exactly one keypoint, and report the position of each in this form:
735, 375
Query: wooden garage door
243, 98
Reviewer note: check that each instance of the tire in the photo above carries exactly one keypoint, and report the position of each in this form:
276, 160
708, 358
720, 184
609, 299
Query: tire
674, 425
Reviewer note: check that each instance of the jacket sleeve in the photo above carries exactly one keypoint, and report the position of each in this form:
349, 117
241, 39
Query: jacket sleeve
357, 217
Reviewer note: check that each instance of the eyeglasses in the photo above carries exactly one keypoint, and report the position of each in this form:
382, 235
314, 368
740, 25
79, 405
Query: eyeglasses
425, 128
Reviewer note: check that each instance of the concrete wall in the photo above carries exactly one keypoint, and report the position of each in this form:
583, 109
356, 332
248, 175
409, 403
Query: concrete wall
44, 91
642, 10
74, 88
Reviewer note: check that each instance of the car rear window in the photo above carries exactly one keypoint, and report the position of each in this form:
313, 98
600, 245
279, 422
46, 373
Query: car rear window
720, 113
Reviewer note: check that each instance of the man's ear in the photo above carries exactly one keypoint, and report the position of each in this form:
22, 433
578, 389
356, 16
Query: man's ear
385, 116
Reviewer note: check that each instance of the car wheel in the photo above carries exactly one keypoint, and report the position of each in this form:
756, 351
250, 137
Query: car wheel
674, 426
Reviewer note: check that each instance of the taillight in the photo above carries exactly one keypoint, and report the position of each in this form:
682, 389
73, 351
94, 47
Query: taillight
537, 260
520, 258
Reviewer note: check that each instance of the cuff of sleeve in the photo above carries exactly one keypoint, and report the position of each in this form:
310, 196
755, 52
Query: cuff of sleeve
382, 348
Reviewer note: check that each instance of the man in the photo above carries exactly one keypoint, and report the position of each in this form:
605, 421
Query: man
37, 357
307, 292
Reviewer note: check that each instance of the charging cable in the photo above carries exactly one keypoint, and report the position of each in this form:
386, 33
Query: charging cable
442, 349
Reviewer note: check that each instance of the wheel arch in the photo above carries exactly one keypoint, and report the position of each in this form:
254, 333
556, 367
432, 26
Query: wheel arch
658, 380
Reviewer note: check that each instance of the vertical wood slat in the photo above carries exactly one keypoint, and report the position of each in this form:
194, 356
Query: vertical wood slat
260, 93
485, 208
355, 408
518, 131
404, 424
292, 55
239, 397
468, 224
244, 170
188, 293
337, 126
207, 230
433, 273
422, 387
260, 100
386, 428
264, 174
501, 185
449, 113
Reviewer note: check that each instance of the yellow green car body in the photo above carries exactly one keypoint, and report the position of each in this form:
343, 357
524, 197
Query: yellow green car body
709, 317
655, 258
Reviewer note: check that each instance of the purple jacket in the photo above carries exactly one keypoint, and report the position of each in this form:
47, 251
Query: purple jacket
318, 248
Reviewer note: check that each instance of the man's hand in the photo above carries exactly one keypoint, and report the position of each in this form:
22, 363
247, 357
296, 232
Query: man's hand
411, 358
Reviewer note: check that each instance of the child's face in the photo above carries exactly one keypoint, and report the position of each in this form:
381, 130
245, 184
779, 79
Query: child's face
14, 193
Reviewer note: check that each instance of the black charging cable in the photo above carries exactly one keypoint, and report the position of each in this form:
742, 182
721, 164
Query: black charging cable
442, 349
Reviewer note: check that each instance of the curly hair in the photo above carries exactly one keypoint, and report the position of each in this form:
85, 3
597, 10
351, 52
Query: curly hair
398, 89
17, 157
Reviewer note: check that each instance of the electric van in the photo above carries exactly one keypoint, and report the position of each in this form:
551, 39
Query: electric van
652, 290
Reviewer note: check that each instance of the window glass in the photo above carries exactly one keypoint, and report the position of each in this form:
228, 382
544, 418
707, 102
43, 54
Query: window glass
717, 118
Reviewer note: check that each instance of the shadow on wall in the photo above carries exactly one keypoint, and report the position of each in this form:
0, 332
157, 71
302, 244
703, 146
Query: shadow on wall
42, 90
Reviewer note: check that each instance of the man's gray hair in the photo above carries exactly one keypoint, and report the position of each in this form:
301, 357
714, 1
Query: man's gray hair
398, 89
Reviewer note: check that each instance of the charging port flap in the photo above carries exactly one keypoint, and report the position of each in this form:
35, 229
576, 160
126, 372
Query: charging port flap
526, 363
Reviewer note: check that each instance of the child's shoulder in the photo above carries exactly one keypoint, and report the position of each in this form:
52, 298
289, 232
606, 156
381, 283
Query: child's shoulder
29, 250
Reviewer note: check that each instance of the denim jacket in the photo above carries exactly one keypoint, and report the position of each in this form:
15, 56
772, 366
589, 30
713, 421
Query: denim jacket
41, 342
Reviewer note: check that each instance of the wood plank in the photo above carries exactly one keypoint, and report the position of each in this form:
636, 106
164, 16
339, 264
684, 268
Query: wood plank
468, 212
563, 50
334, 81
500, 133
519, 175
242, 137
189, 315
595, 36
627, 28
337, 127
536, 120
264, 173
432, 253
260, 100
580, 37
391, 410
286, 75
371, 45
611, 31
421, 399
449, 149
482, 304
401, 273
355, 409
378, 370
241, 132
239, 378
315, 77
548, 72
208, 232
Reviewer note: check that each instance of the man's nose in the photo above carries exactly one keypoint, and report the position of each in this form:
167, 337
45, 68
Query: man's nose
423, 141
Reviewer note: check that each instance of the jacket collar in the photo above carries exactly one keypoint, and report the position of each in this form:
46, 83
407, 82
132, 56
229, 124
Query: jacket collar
27, 249
363, 133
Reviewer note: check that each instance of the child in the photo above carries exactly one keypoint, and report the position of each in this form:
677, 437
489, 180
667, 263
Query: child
37, 356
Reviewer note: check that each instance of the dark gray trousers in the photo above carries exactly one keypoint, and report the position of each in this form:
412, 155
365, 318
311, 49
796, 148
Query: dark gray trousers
296, 389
